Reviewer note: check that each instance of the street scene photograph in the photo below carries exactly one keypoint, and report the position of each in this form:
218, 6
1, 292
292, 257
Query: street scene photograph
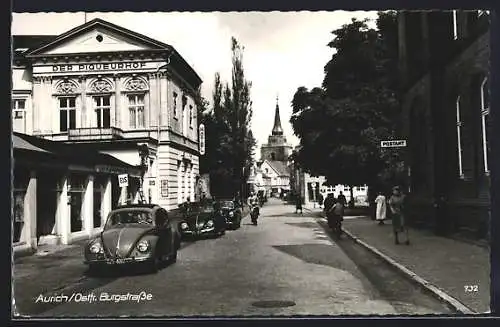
250, 164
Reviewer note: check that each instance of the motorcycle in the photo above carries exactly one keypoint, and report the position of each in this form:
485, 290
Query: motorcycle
335, 224
254, 214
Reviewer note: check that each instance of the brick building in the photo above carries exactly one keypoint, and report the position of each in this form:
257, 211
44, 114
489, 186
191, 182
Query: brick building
444, 65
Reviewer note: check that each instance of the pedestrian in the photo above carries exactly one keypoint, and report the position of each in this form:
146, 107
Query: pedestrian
381, 208
341, 198
298, 203
396, 205
329, 203
320, 200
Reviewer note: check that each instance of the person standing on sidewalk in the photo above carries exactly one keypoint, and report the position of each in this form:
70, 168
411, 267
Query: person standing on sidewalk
381, 208
396, 205
298, 203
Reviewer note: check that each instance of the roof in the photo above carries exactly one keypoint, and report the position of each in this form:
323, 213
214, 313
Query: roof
66, 152
30, 41
279, 166
37, 43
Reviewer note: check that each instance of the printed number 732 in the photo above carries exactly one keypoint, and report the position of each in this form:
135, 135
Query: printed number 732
471, 288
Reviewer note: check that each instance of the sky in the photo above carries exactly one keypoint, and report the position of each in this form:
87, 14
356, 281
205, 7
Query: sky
282, 50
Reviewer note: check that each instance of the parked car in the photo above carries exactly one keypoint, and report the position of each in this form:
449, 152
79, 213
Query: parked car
231, 212
202, 219
135, 234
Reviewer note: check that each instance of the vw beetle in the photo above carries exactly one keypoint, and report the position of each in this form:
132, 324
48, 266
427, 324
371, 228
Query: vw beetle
202, 219
231, 211
135, 234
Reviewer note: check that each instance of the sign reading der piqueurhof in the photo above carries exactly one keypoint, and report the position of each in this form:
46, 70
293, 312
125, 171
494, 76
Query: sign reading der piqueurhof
97, 67
393, 144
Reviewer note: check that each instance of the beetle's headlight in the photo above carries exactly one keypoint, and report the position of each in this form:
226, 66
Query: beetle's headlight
143, 246
184, 226
210, 223
231, 214
95, 248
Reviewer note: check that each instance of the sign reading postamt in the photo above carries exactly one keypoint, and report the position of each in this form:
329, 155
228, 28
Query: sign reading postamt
393, 144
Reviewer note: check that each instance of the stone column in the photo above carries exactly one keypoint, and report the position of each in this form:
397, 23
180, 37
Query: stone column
84, 121
88, 206
36, 103
153, 100
106, 201
46, 107
118, 99
63, 214
30, 213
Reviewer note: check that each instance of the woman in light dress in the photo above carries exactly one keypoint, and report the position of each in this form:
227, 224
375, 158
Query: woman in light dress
381, 208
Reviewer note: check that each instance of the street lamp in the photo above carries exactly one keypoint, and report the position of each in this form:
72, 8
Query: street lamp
144, 155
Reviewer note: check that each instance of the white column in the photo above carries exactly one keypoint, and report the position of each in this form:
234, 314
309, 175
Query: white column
37, 103
192, 182
88, 206
28, 233
106, 201
63, 216
179, 182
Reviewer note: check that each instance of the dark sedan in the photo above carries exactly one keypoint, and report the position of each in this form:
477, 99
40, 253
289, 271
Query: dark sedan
231, 212
135, 234
202, 219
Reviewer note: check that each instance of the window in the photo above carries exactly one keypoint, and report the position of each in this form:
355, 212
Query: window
67, 113
459, 138
485, 121
175, 105
136, 110
191, 116
102, 109
455, 25
18, 108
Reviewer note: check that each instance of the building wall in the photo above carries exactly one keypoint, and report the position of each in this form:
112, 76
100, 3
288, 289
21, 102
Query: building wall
44, 82
449, 185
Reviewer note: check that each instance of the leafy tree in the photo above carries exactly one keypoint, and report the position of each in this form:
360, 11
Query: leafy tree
230, 143
340, 125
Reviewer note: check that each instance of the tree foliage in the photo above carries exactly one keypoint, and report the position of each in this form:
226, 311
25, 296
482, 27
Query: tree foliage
341, 124
230, 143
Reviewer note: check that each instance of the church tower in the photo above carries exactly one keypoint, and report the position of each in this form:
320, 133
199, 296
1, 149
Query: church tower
276, 149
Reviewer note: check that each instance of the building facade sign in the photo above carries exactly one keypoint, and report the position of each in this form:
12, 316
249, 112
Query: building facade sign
97, 67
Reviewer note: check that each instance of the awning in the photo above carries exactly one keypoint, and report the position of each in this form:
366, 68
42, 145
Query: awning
19, 143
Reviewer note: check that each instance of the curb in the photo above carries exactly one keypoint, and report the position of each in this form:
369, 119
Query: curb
435, 291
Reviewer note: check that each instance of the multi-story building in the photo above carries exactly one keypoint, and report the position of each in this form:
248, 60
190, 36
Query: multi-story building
100, 87
444, 64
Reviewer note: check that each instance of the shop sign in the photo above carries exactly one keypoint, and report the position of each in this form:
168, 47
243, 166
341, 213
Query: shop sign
164, 188
123, 180
393, 144
96, 67
201, 135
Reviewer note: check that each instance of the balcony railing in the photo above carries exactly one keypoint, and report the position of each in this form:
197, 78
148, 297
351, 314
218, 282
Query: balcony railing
95, 133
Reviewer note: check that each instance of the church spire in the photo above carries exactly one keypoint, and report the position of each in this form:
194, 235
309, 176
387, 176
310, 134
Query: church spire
277, 130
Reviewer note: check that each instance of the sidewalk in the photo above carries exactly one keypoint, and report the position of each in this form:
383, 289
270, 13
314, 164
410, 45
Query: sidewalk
444, 266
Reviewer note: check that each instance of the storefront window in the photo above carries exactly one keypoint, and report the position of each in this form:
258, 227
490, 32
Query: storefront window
18, 214
76, 193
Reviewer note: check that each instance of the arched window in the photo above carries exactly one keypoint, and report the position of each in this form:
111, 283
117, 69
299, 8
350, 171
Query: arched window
459, 138
485, 121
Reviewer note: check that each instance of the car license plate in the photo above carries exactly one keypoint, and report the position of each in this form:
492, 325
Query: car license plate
116, 261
